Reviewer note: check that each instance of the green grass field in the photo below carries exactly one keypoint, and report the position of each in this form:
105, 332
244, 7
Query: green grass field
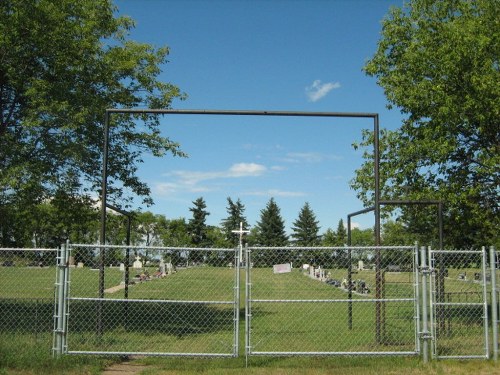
27, 295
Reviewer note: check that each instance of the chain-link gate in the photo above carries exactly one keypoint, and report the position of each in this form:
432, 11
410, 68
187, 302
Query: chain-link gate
27, 296
149, 301
459, 303
332, 301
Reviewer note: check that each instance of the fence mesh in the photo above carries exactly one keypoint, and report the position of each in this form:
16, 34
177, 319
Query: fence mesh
162, 301
459, 303
27, 296
332, 300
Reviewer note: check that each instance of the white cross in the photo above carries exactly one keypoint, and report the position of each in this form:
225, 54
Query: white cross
241, 232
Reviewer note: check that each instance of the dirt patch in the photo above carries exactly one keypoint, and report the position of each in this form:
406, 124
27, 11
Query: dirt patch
125, 368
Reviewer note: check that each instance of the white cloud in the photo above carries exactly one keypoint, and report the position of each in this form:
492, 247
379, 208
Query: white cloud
277, 193
190, 180
246, 169
318, 90
309, 157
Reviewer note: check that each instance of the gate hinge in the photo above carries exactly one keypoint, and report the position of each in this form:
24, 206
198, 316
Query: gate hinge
425, 335
425, 270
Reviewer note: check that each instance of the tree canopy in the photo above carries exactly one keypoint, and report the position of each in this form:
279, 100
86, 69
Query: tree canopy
437, 62
62, 64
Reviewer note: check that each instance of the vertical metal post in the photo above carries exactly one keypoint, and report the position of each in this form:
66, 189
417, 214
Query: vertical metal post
237, 269
247, 304
104, 188
65, 297
378, 273
425, 328
494, 302
440, 220
57, 349
416, 286
127, 256
485, 305
349, 274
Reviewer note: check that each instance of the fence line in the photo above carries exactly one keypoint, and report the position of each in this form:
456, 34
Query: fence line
185, 301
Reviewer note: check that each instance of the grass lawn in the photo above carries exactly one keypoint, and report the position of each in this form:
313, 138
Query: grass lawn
27, 295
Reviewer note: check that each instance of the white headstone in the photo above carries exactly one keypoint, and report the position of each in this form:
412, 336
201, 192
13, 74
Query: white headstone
361, 265
170, 268
122, 267
137, 263
79, 265
162, 268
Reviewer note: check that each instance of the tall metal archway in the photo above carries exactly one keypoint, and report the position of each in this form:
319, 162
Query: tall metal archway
111, 111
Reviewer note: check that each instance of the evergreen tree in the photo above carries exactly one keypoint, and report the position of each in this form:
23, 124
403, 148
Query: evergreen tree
198, 228
271, 232
236, 216
305, 228
271, 226
341, 234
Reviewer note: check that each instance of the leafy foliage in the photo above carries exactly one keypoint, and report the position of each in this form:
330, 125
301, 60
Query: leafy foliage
62, 65
437, 61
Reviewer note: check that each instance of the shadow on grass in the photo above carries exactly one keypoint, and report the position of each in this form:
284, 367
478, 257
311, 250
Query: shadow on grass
26, 315
179, 319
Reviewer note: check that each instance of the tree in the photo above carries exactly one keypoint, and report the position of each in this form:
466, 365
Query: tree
305, 228
271, 232
62, 65
341, 233
198, 229
236, 216
271, 226
437, 61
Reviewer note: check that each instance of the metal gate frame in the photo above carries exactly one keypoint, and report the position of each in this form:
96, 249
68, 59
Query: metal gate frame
434, 305
63, 298
416, 305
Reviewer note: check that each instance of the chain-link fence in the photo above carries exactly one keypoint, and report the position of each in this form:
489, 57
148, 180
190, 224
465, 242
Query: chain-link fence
335, 300
27, 296
459, 304
156, 301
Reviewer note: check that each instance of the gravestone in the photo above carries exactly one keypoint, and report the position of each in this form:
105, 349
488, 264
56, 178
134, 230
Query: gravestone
361, 265
137, 263
122, 267
79, 265
170, 268
162, 268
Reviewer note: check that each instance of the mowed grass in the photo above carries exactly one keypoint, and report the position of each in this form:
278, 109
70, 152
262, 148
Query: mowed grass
208, 327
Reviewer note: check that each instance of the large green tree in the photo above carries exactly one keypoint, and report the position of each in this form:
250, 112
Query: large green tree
62, 64
437, 62
305, 228
271, 226
236, 215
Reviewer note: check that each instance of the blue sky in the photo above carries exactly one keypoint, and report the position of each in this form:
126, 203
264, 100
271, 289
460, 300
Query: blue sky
264, 55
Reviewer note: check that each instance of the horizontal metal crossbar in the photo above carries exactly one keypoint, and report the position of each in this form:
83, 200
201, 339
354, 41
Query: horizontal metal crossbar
26, 249
332, 300
152, 354
335, 353
97, 246
335, 248
150, 300
239, 112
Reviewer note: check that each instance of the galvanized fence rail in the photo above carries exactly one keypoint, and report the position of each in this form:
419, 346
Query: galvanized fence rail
459, 303
332, 301
167, 301
27, 294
